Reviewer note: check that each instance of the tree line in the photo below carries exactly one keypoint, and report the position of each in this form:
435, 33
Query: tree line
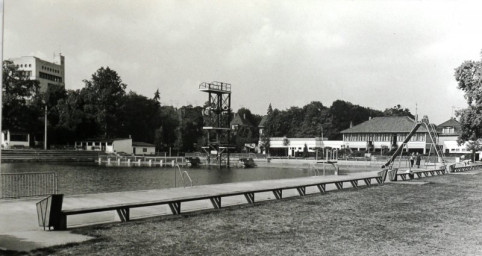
103, 109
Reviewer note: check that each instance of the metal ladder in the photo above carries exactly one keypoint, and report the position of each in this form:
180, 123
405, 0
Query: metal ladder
182, 174
432, 132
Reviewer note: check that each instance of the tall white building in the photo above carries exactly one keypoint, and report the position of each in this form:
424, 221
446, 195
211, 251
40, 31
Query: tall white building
47, 73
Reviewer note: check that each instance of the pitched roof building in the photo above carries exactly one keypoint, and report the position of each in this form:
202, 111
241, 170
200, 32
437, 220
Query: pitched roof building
448, 133
387, 132
239, 121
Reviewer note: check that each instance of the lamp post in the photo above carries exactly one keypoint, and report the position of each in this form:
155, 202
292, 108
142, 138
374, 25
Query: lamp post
45, 132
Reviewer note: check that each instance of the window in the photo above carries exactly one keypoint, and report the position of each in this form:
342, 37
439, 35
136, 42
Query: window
144, 150
50, 77
448, 130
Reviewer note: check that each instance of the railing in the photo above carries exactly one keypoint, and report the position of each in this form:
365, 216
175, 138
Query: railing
218, 86
15, 185
182, 174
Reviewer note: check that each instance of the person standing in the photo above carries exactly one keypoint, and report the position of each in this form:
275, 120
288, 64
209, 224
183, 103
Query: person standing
418, 160
412, 159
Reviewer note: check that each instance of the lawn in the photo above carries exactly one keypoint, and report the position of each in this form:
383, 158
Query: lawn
442, 217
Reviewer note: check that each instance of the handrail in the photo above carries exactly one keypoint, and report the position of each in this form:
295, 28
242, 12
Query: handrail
189, 177
314, 169
181, 174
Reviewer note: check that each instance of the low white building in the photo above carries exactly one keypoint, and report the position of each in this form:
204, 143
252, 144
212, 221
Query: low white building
283, 146
123, 145
142, 148
15, 139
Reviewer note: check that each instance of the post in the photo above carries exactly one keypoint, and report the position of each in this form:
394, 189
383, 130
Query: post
1, 82
45, 132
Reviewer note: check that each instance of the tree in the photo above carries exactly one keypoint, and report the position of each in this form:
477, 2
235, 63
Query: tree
166, 134
157, 96
474, 146
398, 110
343, 113
469, 79
21, 101
104, 95
74, 122
190, 130
305, 151
141, 118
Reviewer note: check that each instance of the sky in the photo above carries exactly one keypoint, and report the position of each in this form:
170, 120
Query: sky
375, 54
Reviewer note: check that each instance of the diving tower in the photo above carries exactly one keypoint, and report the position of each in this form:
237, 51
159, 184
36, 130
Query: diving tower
217, 119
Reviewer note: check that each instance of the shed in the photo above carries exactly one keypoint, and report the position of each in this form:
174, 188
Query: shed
143, 148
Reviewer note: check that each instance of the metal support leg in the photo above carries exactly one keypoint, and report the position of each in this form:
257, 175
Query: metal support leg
249, 197
123, 214
354, 183
322, 188
216, 201
175, 208
278, 193
301, 190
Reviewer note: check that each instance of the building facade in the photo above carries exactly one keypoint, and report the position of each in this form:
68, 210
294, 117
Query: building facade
15, 140
295, 147
385, 133
448, 133
142, 148
47, 73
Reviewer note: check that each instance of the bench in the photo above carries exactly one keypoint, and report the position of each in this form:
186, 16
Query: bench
123, 210
467, 168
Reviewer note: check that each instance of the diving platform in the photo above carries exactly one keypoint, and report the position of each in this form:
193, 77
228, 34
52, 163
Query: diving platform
216, 87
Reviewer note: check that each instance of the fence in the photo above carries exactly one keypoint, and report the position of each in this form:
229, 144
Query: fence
15, 185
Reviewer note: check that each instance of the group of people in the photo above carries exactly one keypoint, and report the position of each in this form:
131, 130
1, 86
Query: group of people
415, 159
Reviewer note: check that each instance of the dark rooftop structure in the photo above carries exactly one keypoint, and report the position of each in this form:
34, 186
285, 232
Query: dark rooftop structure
240, 121
386, 124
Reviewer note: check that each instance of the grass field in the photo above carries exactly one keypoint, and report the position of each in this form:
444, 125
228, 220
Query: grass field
439, 218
